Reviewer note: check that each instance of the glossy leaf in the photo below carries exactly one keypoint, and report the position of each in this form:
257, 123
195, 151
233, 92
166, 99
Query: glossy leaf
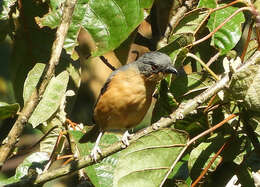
108, 22
32, 80
8, 110
51, 99
146, 161
228, 36
101, 174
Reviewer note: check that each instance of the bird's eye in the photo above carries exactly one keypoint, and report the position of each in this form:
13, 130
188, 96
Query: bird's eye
154, 67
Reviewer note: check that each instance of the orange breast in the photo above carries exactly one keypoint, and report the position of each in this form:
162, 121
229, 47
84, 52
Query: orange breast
125, 102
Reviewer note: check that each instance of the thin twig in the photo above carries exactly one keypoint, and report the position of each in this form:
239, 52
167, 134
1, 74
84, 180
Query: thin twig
218, 27
209, 165
247, 41
9, 143
213, 59
225, 6
203, 65
107, 63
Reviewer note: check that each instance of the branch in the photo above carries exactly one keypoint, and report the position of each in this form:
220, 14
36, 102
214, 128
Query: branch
9, 143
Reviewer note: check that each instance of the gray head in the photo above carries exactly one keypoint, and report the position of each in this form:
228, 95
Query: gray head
155, 63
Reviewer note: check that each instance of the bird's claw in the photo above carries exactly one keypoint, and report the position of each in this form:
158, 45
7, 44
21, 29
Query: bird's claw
95, 151
125, 138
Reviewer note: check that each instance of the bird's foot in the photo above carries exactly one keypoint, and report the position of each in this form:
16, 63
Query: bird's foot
126, 137
95, 151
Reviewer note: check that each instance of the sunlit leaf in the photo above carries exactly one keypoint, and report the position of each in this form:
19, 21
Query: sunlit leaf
229, 34
108, 22
147, 161
32, 80
51, 99
102, 173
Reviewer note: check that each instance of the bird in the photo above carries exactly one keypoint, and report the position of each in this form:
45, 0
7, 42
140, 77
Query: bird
126, 96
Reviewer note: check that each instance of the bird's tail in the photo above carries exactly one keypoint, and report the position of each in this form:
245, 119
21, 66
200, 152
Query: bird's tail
90, 135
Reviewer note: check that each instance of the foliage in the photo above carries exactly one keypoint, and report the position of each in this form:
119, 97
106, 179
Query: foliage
164, 157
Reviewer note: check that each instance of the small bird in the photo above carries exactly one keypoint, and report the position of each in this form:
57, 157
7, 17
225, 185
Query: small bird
127, 94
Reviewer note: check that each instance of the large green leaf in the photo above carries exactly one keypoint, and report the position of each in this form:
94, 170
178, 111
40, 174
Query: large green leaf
227, 37
147, 161
8, 110
102, 173
51, 99
108, 22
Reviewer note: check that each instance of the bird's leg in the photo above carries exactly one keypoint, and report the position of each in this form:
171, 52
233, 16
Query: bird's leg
96, 149
125, 138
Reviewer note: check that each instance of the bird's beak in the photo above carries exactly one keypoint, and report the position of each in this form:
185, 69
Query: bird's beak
171, 70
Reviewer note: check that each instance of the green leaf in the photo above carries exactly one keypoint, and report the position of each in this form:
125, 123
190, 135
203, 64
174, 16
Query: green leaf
192, 21
245, 86
36, 161
227, 36
207, 4
188, 86
102, 173
108, 22
8, 110
51, 99
193, 123
32, 80
48, 143
203, 154
147, 161
179, 174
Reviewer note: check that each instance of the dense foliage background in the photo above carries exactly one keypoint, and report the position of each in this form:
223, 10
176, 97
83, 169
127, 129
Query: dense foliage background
202, 128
